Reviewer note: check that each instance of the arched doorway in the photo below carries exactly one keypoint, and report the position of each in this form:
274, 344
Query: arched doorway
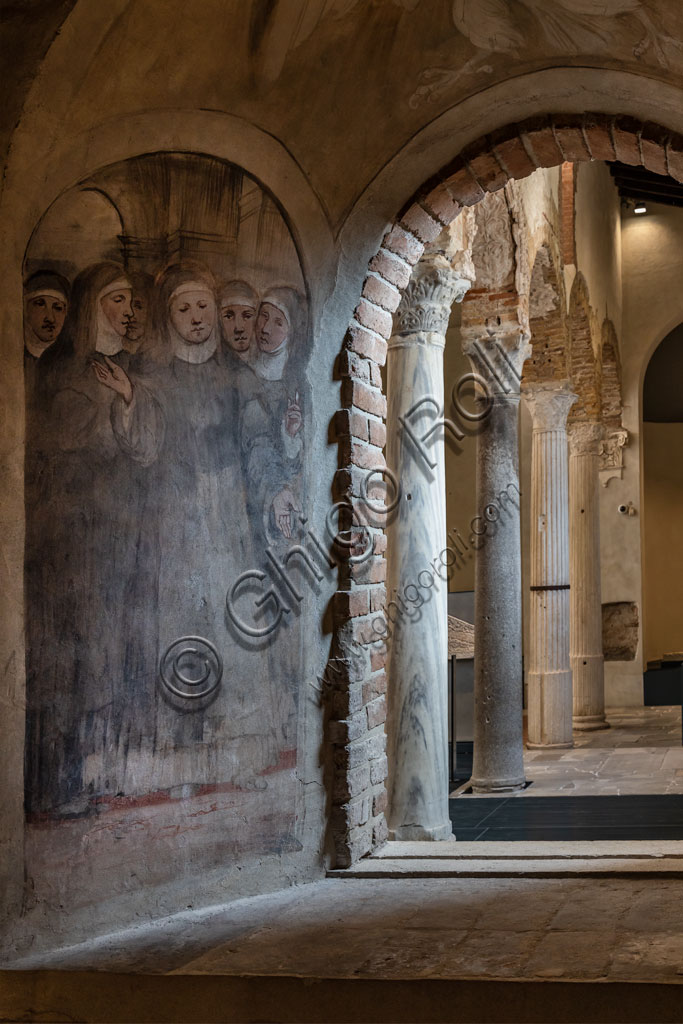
662, 496
485, 167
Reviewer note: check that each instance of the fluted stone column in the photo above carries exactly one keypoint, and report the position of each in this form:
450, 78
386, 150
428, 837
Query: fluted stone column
498, 762
549, 675
417, 724
585, 646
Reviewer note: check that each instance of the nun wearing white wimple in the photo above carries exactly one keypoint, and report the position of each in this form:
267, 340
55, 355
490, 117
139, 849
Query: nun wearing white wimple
272, 433
87, 652
272, 445
205, 543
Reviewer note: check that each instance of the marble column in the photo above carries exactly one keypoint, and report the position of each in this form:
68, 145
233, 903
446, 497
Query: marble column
585, 645
417, 725
498, 763
549, 675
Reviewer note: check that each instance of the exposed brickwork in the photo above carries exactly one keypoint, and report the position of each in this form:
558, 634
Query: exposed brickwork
486, 169
512, 155
441, 204
570, 137
480, 307
653, 140
354, 681
547, 323
421, 224
583, 367
626, 135
381, 293
567, 225
597, 130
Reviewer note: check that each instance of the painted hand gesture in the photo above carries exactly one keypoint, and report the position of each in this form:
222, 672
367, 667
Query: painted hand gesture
115, 378
293, 417
284, 506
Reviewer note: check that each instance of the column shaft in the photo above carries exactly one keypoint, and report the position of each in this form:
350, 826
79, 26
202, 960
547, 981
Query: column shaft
417, 724
586, 655
549, 675
498, 762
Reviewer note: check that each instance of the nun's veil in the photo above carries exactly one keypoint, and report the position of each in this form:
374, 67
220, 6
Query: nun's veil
79, 336
167, 282
293, 304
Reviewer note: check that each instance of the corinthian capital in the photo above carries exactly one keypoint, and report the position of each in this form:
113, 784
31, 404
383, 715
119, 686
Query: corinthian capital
549, 404
585, 438
426, 304
497, 352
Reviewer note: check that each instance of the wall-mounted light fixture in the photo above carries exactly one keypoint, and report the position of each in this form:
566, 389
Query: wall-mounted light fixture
640, 207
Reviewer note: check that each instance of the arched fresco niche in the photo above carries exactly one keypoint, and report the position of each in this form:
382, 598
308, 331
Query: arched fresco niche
168, 414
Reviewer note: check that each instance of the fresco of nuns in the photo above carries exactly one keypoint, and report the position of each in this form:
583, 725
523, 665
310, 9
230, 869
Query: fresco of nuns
167, 411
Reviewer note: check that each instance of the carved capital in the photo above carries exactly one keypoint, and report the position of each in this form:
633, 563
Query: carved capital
549, 404
585, 438
425, 307
612, 455
498, 354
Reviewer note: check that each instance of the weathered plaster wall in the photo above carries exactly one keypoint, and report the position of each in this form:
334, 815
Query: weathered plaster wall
663, 546
652, 248
598, 239
341, 115
652, 306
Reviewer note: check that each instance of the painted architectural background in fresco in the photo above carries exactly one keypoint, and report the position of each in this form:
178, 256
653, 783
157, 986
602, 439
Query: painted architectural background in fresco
166, 340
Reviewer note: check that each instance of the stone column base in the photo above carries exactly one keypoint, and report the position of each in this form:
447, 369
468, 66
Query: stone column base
482, 786
550, 708
417, 833
589, 723
550, 746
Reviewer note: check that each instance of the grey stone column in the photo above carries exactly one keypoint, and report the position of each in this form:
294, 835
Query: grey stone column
549, 675
417, 723
585, 644
498, 762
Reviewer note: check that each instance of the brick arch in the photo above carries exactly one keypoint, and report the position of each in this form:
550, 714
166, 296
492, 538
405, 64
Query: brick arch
611, 377
547, 321
584, 368
355, 677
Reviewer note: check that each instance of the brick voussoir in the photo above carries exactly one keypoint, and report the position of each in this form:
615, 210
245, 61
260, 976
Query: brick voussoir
462, 184
653, 144
597, 130
420, 223
626, 135
570, 138
674, 156
486, 169
367, 314
381, 293
539, 140
441, 203
391, 268
512, 154
404, 244
366, 343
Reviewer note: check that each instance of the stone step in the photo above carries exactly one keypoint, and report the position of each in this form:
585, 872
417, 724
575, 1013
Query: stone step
564, 867
539, 850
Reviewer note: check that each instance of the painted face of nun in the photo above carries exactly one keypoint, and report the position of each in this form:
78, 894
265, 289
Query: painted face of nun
116, 306
192, 309
138, 322
238, 326
45, 315
272, 328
